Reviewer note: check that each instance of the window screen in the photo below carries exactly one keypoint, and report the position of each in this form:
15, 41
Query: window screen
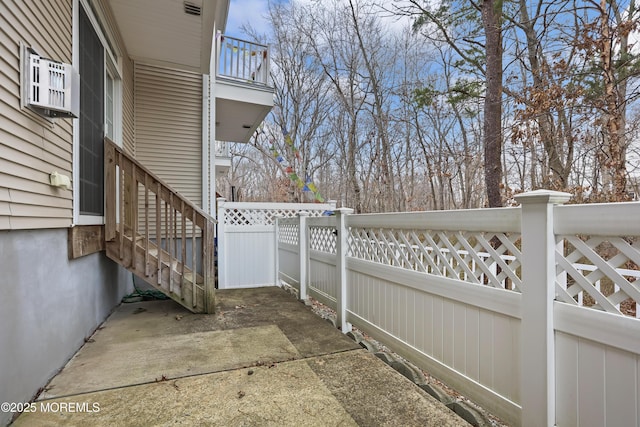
91, 119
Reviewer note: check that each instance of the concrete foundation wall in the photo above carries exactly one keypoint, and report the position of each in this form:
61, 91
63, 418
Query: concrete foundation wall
48, 306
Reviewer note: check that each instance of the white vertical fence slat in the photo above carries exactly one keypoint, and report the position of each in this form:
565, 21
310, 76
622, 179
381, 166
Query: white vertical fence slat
620, 389
432, 287
566, 363
591, 371
472, 349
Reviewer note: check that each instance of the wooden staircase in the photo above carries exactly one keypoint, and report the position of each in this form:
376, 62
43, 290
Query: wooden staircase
157, 234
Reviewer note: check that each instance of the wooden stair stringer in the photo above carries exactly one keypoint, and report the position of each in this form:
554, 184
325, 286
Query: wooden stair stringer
181, 290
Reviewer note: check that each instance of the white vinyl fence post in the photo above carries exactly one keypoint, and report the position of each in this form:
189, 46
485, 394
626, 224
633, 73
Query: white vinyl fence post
222, 252
276, 255
303, 252
537, 366
342, 248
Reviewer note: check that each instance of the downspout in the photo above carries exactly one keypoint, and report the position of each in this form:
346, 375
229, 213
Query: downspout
212, 123
205, 144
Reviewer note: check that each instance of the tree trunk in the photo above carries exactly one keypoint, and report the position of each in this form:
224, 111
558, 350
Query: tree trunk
379, 116
351, 168
491, 17
614, 105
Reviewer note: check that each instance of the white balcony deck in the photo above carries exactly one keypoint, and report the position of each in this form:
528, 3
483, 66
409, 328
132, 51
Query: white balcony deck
243, 90
223, 157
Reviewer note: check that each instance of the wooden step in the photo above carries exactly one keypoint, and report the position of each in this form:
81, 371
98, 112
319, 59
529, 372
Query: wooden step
188, 274
127, 184
171, 281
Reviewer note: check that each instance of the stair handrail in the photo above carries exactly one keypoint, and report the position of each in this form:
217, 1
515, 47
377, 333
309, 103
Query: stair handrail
118, 162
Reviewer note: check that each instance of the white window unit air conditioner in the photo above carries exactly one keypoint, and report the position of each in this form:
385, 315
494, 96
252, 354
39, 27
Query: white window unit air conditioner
53, 88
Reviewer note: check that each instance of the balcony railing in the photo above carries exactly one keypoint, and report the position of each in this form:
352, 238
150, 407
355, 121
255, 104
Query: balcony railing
223, 149
242, 60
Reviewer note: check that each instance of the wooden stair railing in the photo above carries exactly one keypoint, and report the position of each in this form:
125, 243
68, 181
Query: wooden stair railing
158, 234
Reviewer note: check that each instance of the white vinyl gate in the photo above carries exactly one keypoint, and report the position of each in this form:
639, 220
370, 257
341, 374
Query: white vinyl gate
246, 242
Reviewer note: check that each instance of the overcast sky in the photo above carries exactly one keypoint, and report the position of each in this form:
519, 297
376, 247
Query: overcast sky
254, 11
246, 11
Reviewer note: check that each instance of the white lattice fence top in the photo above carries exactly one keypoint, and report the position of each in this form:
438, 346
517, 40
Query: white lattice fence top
255, 216
250, 217
476, 257
323, 239
288, 233
600, 272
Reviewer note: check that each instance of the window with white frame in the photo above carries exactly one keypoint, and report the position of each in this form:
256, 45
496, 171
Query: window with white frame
99, 117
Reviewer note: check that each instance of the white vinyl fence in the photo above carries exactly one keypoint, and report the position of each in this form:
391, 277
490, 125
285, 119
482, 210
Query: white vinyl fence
246, 242
528, 311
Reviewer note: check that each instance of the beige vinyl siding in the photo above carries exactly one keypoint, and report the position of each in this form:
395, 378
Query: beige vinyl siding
168, 119
32, 147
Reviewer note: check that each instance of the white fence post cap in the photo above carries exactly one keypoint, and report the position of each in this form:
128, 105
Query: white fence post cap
543, 196
345, 211
303, 213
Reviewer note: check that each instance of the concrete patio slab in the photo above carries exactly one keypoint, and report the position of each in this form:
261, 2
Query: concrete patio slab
376, 395
262, 359
288, 394
101, 366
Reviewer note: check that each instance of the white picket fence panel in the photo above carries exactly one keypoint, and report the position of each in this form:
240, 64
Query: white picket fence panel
246, 242
493, 302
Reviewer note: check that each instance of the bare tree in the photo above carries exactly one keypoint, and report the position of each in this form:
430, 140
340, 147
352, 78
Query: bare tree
545, 99
302, 101
617, 65
504, 97
473, 30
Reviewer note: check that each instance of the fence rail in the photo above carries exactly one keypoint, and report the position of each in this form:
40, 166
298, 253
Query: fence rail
524, 311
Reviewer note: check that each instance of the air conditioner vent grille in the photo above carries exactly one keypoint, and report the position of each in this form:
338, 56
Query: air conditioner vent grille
192, 9
53, 87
